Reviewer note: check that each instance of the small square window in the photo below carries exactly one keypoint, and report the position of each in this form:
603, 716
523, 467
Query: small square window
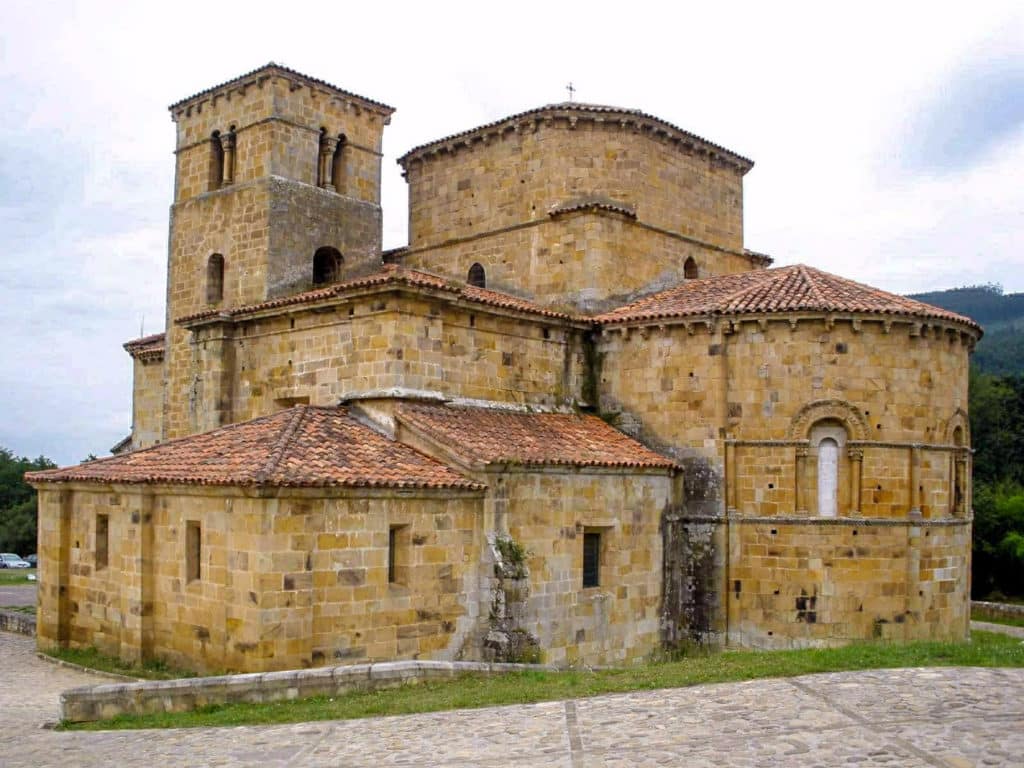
193, 550
591, 560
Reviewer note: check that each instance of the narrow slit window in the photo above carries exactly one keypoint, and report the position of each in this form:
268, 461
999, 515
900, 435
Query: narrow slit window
102, 541
690, 269
193, 550
216, 162
591, 560
215, 279
398, 554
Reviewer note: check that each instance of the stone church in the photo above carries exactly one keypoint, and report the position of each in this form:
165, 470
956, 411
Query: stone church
574, 420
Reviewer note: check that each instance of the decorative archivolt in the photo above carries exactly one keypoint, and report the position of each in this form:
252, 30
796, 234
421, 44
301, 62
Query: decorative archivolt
839, 410
958, 420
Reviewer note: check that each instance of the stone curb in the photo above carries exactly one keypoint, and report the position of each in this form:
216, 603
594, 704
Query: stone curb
101, 702
998, 610
20, 623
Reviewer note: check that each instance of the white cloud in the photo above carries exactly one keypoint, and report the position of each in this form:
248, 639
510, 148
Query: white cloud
820, 96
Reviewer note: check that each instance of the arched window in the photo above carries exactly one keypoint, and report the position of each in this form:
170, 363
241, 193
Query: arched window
477, 276
828, 477
215, 279
216, 161
690, 269
326, 265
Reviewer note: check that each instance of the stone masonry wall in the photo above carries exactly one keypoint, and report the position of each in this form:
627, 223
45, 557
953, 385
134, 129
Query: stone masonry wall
491, 202
389, 340
147, 401
548, 513
283, 583
814, 582
580, 261
519, 176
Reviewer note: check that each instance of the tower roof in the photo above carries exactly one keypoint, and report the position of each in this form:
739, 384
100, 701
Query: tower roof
269, 70
304, 446
573, 112
796, 288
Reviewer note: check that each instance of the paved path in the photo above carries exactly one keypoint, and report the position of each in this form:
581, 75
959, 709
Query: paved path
1003, 629
18, 594
909, 718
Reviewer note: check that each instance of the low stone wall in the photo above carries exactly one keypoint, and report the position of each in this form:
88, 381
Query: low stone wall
100, 702
998, 610
21, 623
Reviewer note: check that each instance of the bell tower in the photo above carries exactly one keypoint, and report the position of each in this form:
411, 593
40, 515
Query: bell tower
276, 190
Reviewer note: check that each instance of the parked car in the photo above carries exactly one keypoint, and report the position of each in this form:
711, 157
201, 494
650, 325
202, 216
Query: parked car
11, 560
32, 560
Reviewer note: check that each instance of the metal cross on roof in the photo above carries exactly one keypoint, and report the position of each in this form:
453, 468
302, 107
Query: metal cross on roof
571, 90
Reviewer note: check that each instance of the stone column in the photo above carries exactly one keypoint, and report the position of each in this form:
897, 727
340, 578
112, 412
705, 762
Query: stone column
227, 144
915, 481
960, 485
328, 146
856, 456
799, 481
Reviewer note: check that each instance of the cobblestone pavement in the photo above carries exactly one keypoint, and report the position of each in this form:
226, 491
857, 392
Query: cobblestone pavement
937, 718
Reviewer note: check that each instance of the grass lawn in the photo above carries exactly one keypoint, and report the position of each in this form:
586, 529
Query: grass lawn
1009, 621
16, 575
93, 659
985, 650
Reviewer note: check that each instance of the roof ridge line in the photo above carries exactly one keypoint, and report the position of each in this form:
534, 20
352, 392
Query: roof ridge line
283, 442
812, 286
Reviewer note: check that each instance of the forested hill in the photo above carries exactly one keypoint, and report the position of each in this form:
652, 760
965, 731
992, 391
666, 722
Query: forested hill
1001, 351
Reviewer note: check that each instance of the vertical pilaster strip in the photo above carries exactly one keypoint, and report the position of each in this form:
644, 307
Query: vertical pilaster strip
856, 456
800, 481
915, 480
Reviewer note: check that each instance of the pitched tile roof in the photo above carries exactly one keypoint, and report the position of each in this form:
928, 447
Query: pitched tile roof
146, 347
496, 436
304, 446
783, 289
391, 274
272, 68
575, 110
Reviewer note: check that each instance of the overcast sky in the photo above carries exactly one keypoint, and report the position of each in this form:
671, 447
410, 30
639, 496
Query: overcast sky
888, 140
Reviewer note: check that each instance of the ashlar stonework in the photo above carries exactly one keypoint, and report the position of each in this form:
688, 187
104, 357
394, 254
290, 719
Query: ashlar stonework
575, 420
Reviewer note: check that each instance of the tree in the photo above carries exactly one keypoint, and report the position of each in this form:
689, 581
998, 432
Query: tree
18, 514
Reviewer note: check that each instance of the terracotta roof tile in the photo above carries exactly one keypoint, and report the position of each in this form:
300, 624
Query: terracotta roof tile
146, 347
495, 436
783, 289
304, 446
391, 274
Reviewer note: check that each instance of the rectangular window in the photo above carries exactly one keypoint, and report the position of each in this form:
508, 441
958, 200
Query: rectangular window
392, 545
193, 550
591, 560
102, 541
398, 554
